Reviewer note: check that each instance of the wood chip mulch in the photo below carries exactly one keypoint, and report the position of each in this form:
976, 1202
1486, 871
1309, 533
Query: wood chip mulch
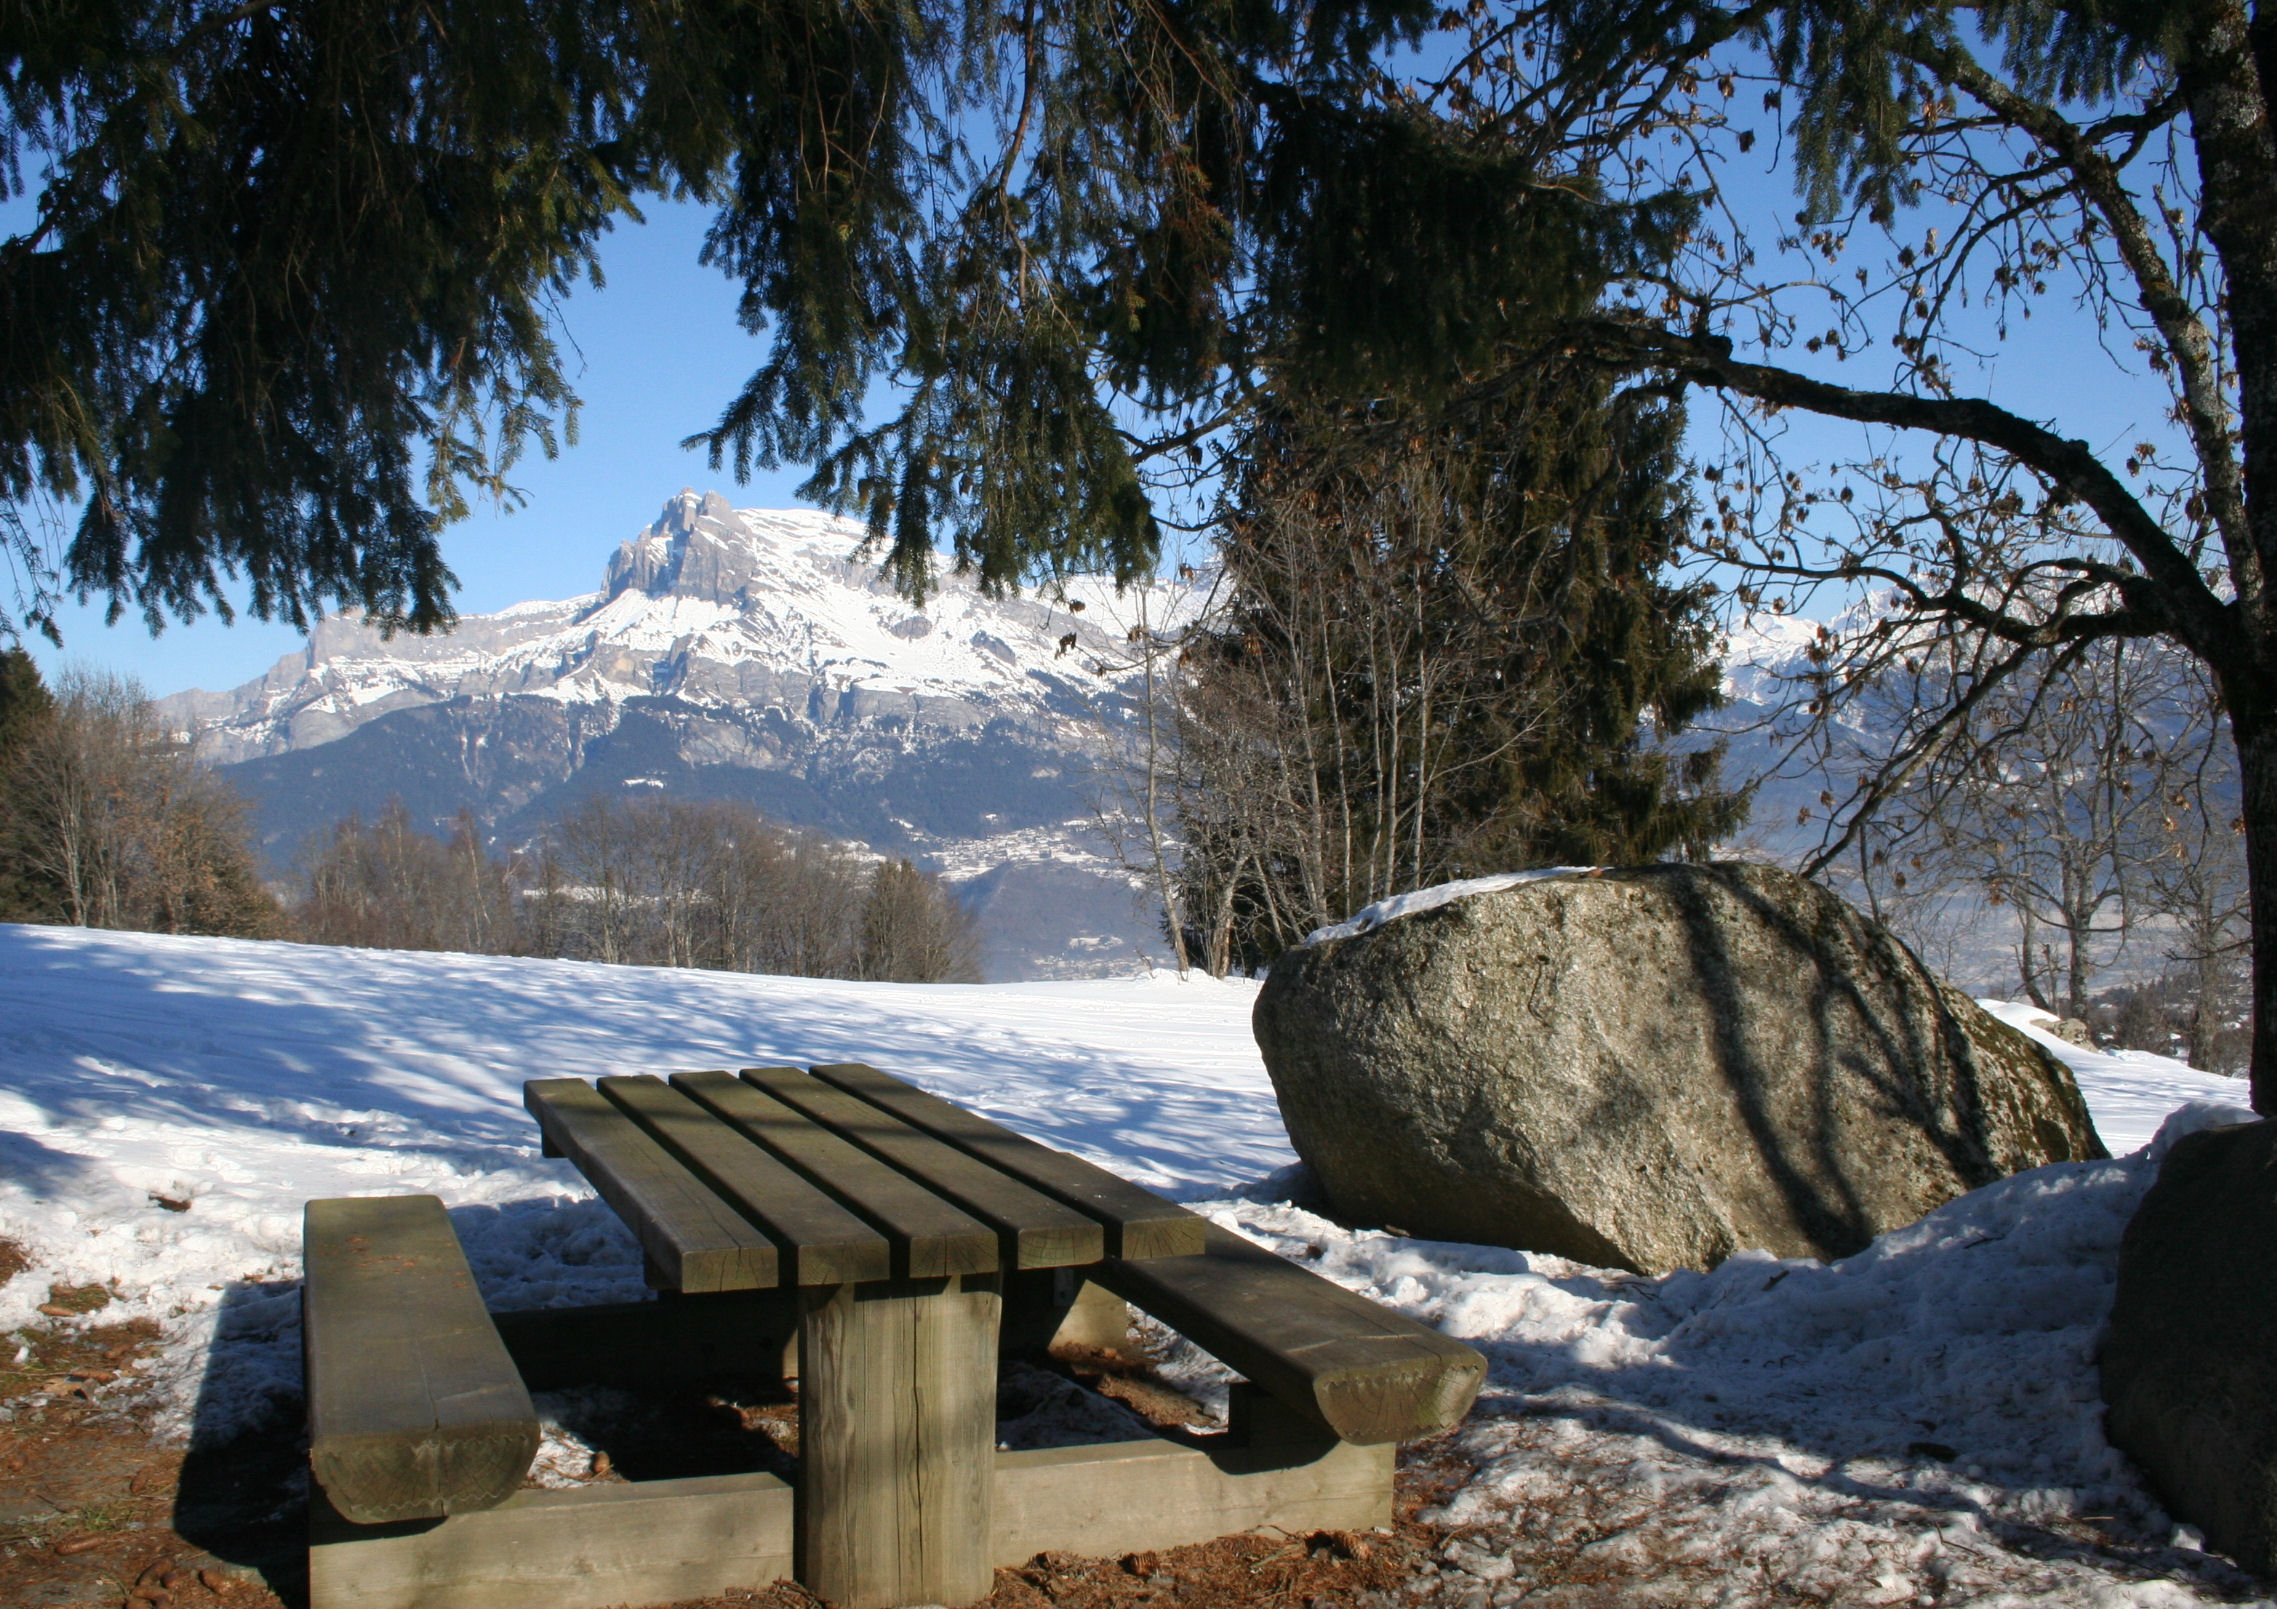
94, 1509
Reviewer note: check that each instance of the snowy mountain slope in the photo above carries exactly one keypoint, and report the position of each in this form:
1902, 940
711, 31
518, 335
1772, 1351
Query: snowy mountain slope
1916, 1421
748, 655
755, 655
719, 608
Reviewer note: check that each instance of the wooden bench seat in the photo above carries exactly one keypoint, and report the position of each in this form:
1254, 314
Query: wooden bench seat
415, 1410
1367, 1373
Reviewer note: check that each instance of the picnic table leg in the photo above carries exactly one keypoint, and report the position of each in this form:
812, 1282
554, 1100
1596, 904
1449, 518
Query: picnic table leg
897, 1441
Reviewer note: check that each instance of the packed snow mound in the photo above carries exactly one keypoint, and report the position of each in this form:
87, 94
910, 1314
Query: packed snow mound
1916, 1420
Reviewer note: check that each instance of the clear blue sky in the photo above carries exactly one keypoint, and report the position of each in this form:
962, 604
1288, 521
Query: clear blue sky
657, 354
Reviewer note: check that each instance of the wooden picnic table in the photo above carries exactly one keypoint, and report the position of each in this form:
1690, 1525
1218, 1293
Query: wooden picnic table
896, 1239
897, 1218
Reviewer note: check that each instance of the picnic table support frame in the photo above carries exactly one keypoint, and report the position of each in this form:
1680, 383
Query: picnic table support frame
897, 1441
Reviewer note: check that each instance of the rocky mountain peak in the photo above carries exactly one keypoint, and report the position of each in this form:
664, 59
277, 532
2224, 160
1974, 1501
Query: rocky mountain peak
696, 548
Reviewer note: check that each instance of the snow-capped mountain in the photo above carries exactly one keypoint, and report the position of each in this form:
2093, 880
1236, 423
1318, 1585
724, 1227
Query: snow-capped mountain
731, 653
757, 655
724, 609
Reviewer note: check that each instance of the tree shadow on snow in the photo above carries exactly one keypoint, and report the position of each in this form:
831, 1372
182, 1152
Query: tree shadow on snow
243, 1494
406, 1036
48, 1174
244, 1487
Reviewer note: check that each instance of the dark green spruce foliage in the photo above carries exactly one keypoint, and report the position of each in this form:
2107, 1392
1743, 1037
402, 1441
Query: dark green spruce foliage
26, 706
288, 295
287, 299
1591, 487
1399, 249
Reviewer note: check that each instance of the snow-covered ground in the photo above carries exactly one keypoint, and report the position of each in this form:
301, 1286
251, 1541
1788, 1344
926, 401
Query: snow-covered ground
1916, 1423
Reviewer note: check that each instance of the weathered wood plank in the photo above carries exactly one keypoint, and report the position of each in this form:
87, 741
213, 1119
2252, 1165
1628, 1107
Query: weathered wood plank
1144, 1496
897, 1438
1034, 1230
593, 1547
1138, 1222
414, 1407
822, 1243
930, 1237
692, 1238
1369, 1373
604, 1546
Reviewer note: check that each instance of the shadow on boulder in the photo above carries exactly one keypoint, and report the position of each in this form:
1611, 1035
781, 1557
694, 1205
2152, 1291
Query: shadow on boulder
2189, 1373
1650, 1069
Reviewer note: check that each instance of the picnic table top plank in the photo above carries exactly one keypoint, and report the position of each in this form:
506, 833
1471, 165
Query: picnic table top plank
695, 1240
822, 1242
1138, 1222
1035, 1230
930, 1237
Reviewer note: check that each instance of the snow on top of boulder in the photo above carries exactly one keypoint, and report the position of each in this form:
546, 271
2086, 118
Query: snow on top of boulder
1371, 917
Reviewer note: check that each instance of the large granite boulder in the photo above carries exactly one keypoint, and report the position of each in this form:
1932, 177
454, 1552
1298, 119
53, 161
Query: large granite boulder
2189, 1368
1650, 1069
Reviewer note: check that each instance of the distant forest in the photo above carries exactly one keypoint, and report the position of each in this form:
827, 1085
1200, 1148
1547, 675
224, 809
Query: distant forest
106, 820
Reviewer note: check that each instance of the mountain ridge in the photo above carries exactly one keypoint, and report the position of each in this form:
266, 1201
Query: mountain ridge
757, 655
747, 654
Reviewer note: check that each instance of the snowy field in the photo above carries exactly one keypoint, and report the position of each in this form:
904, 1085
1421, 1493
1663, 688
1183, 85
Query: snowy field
1918, 1423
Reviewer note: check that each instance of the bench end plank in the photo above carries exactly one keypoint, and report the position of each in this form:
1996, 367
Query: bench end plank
1370, 1374
415, 1409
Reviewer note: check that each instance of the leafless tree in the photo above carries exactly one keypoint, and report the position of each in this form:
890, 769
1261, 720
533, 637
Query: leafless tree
912, 932
670, 882
119, 821
1443, 641
595, 844
1323, 712
1137, 765
2052, 800
389, 885
1960, 169
2199, 885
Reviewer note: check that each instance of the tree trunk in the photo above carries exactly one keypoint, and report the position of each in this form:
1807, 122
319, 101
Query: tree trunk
2256, 736
2027, 968
2077, 937
1166, 886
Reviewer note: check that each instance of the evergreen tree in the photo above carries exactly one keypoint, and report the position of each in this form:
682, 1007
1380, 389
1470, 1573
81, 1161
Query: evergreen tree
1591, 495
1450, 648
286, 295
26, 707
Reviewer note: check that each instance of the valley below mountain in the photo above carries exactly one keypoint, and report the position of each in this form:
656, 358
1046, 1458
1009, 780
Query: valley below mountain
757, 656
733, 654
